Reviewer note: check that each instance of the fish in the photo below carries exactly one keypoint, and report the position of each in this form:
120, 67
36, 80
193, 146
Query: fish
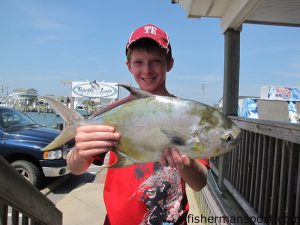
149, 124
94, 84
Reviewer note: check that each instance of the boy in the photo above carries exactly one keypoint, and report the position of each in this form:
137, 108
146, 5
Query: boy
150, 193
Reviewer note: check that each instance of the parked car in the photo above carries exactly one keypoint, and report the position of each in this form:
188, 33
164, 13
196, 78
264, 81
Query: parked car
82, 111
21, 143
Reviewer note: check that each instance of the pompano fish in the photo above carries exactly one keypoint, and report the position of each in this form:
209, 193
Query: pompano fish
151, 123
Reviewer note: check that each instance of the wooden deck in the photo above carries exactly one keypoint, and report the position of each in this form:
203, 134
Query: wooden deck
263, 173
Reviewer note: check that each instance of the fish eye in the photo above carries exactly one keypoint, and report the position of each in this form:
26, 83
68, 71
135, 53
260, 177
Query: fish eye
229, 138
177, 141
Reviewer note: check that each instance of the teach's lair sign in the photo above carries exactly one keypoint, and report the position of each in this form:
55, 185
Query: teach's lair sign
94, 89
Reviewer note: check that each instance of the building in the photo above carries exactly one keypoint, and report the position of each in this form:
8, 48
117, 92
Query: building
24, 95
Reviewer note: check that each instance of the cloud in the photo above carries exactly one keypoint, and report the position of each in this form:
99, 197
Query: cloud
199, 77
47, 25
37, 15
269, 50
67, 73
290, 74
49, 77
295, 65
292, 70
47, 38
43, 20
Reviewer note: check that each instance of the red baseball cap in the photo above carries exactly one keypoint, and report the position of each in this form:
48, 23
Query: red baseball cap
150, 31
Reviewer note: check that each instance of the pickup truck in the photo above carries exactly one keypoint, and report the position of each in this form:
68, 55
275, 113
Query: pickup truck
21, 143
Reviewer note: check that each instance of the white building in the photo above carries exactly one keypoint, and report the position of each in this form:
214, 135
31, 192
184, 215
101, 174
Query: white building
24, 95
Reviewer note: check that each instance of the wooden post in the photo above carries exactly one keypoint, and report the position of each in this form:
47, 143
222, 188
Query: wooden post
231, 86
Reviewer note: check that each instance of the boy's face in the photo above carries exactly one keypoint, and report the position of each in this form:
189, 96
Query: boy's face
149, 69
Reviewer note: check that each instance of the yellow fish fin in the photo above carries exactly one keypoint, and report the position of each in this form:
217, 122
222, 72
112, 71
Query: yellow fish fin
66, 135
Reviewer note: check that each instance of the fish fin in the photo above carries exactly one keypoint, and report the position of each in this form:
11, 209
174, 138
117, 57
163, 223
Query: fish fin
113, 105
69, 116
122, 161
135, 94
174, 137
138, 93
66, 135
66, 113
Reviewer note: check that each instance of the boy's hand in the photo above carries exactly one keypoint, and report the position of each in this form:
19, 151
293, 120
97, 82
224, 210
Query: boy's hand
93, 140
191, 171
171, 157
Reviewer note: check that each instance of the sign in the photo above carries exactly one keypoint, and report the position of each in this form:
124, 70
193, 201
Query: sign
95, 89
280, 93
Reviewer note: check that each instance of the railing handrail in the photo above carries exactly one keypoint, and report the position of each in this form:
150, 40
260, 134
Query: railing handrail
262, 172
18, 193
285, 131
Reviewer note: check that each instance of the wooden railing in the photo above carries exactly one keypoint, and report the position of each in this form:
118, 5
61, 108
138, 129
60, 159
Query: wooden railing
22, 203
263, 173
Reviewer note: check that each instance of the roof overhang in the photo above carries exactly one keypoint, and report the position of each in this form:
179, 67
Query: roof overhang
233, 13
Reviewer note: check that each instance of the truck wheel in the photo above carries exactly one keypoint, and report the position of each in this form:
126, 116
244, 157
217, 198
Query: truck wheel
29, 171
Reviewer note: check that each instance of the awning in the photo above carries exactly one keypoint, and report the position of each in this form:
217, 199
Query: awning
233, 13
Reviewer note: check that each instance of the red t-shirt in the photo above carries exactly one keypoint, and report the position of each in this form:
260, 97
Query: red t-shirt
145, 194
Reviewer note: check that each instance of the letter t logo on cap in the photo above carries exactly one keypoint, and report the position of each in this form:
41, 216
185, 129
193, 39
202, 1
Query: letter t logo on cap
150, 29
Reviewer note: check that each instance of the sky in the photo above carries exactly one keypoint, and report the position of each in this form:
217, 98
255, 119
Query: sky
46, 42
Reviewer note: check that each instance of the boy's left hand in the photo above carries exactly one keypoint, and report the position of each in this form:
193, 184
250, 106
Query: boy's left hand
172, 157
191, 171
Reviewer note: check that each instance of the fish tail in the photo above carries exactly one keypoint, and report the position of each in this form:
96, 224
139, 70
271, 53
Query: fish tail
69, 116
66, 135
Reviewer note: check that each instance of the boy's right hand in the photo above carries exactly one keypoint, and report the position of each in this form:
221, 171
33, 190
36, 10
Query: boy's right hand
92, 140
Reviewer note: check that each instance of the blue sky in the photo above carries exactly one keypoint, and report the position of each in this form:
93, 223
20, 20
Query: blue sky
47, 41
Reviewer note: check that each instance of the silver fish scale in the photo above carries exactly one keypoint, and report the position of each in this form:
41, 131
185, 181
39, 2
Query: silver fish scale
142, 122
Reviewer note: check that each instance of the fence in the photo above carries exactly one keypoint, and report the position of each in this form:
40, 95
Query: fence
22, 203
263, 173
